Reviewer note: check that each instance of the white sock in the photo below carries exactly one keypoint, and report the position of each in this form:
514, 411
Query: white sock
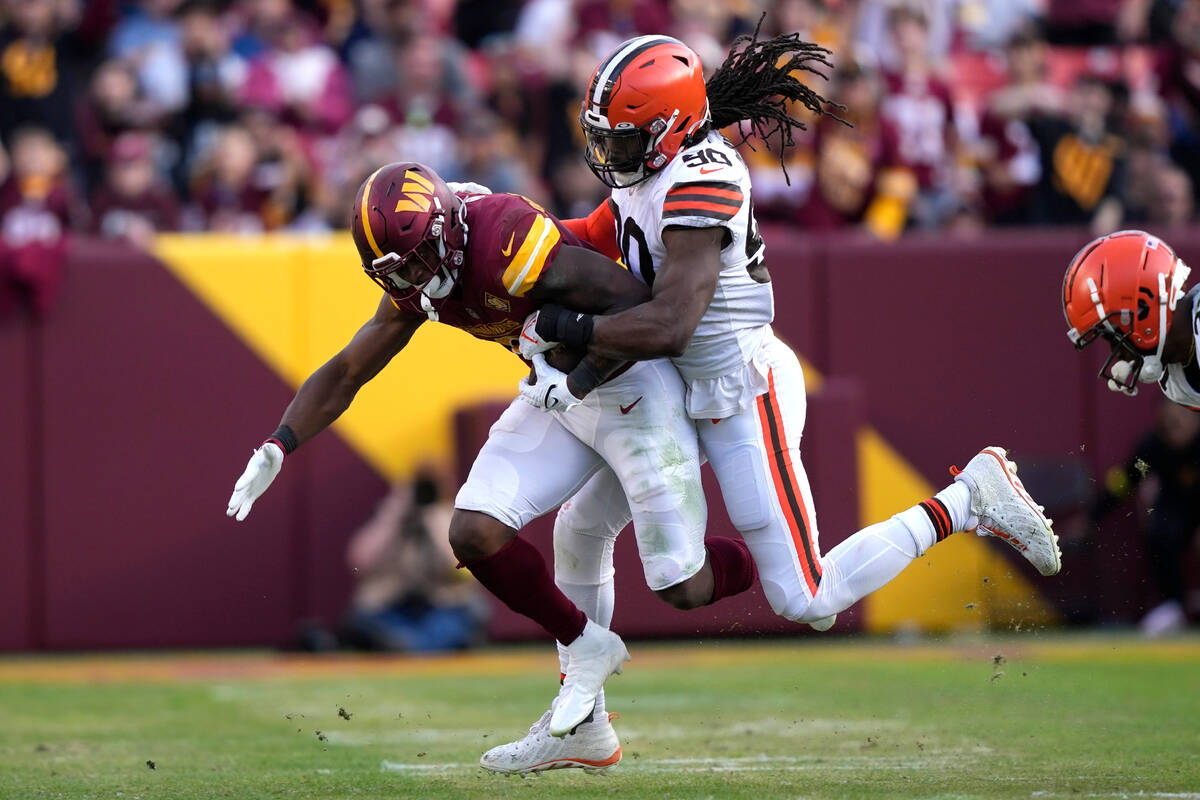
873, 556
595, 600
868, 560
957, 499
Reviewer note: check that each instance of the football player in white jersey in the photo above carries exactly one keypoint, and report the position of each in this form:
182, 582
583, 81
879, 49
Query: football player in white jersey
682, 217
1127, 289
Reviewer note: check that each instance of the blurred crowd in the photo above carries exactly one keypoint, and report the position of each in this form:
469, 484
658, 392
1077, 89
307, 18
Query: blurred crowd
129, 118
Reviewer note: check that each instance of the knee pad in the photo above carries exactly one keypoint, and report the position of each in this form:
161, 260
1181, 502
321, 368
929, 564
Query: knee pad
580, 557
787, 604
747, 500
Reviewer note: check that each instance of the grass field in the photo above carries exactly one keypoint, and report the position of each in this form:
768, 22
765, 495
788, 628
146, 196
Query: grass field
1031, 716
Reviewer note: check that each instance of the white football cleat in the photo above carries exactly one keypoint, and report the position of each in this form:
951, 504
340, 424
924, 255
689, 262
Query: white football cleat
1006, 510
593, 747
596, 654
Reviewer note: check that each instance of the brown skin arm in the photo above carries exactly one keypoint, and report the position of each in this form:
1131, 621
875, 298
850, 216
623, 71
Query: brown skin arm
592, 283
326, 393
683, 289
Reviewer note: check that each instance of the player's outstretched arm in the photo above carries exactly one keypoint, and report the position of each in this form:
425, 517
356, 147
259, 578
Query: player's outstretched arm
323, 397
326, 393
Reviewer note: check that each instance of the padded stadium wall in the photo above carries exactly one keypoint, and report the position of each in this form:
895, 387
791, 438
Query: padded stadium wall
128, 411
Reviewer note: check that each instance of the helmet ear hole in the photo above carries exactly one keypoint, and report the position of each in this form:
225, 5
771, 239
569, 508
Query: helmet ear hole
1143, 310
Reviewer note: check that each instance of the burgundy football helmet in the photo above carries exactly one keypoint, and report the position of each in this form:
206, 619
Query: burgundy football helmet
410, 233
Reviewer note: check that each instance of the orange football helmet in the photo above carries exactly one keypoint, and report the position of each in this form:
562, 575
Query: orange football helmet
411, 232
643, 102
1123, 288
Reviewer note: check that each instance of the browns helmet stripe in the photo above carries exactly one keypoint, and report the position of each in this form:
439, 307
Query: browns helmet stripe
602, 85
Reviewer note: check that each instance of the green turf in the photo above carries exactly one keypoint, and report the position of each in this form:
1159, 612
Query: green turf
1076, 717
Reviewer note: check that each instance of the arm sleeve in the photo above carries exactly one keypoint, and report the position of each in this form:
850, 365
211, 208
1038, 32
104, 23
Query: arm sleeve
599, 229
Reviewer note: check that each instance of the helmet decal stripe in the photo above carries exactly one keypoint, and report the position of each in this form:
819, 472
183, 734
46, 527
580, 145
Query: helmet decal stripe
366, 221
601, 90
413, 175
418, 191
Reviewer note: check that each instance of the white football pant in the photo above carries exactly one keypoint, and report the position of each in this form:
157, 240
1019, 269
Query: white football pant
634, 427
755, 455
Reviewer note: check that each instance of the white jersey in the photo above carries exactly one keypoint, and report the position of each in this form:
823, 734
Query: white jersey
706, 185
1182, 383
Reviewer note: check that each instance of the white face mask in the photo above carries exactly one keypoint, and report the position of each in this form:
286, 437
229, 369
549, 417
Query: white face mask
440, 284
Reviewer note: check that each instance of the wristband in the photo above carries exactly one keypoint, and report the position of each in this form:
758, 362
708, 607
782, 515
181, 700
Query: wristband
285, 438
557, 324
585, 377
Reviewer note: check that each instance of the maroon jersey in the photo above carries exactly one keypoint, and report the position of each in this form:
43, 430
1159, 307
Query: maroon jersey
511, 242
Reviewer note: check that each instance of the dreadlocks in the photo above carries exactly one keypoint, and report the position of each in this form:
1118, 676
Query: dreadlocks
756, 82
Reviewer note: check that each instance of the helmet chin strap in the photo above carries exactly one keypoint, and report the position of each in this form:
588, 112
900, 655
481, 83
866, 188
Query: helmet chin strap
428, 308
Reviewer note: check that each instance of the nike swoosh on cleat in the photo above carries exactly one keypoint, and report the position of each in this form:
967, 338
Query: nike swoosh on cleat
508, 248
628, 408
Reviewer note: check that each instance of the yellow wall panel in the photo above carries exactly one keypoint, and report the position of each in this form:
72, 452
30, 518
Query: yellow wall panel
297, 301
962, 583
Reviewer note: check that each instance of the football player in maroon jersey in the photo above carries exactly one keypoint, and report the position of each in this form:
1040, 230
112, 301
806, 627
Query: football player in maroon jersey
483, 263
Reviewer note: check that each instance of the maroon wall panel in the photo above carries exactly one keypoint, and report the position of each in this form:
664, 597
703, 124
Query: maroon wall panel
959, 347
342, 493
19, 566
800, 280
152, 408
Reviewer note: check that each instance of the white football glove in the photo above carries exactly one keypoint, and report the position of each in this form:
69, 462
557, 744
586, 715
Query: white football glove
550, 393
468, 187
263, 467
529, 343
1120, 371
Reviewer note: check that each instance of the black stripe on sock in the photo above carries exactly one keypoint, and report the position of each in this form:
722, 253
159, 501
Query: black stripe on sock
937, 520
